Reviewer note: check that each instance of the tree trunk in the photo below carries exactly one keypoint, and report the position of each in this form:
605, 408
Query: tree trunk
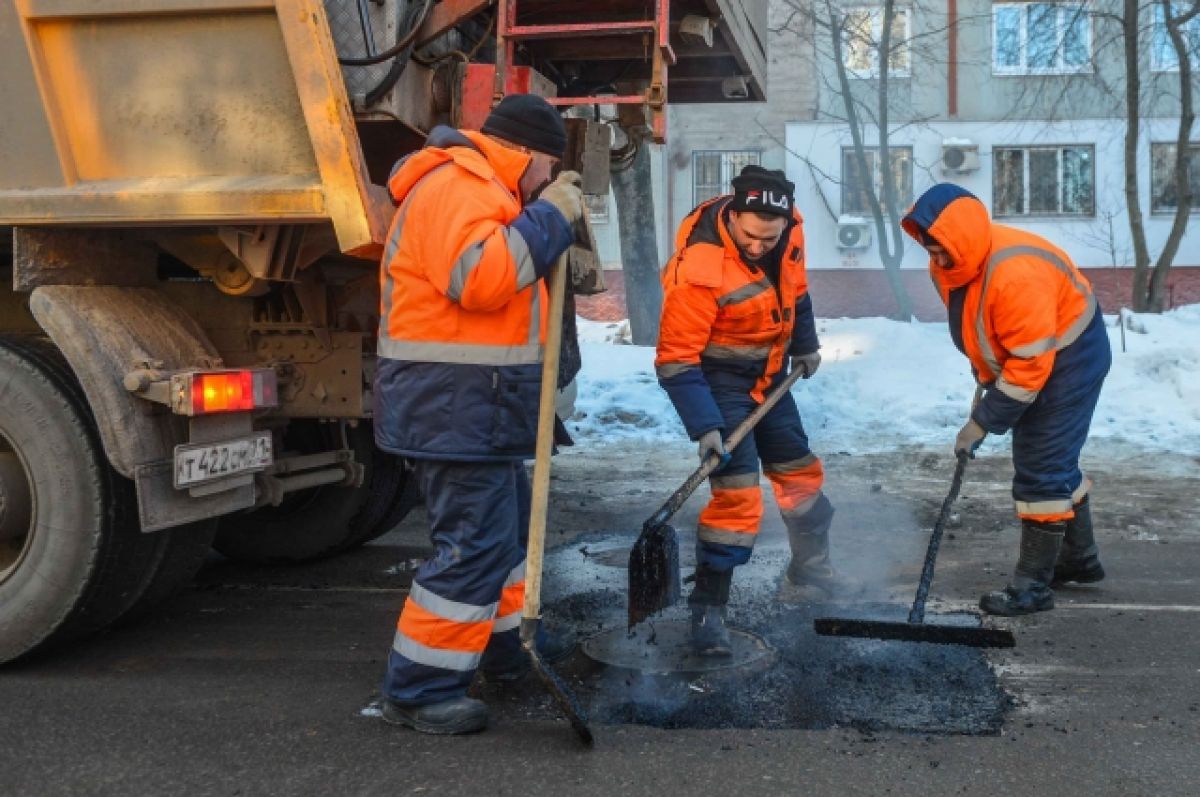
1156, 300
634, 193
1133, 89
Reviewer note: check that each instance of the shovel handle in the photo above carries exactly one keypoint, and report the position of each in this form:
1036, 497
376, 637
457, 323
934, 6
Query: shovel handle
713, 462
540, 499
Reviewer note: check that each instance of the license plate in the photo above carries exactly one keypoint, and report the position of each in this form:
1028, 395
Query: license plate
206, 462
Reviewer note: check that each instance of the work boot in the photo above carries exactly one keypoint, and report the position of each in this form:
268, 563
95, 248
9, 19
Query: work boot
450, 717
810, 576
1079, 559
710, 637
551, 646
1029, 590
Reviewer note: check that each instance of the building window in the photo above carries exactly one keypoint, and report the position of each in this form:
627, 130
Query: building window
1162, 51
1041, 38
863, 32
1162, 177
712, 171
1043, 181
854, 187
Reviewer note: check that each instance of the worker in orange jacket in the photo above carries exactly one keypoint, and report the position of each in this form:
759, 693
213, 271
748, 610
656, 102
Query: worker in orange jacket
461, 333
1027, 320
736, 316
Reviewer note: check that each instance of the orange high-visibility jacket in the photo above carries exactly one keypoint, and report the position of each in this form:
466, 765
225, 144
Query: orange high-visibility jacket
463, 309
1015, 299
724, 324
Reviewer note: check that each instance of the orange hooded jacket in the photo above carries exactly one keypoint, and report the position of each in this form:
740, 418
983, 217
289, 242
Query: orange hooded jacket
1015, 299
463, 309
723, 323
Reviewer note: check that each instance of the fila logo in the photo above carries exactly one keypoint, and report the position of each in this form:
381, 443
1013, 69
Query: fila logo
767, 198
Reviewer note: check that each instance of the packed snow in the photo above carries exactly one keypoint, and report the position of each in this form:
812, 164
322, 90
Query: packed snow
884, 384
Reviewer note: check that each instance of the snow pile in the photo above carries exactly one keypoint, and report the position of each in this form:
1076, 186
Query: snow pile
884, 383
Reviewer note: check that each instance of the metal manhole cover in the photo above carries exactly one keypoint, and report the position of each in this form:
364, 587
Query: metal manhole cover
663, 648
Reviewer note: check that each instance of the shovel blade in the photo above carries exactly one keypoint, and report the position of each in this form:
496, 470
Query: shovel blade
915, 632
654, 580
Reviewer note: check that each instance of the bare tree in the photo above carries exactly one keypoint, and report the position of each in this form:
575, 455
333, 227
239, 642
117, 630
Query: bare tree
1150, 286
866, 108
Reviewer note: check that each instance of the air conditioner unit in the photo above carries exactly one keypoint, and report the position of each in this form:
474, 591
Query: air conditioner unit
959, 156
853, 232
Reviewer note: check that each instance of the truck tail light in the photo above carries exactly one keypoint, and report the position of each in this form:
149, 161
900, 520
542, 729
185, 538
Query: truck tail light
231, 391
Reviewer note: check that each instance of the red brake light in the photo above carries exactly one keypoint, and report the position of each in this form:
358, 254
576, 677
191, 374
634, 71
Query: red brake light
233, 391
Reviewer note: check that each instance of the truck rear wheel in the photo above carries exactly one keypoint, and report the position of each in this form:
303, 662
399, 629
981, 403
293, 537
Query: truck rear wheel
66, 541
323, 521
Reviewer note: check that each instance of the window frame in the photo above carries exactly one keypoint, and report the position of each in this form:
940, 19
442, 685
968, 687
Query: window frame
875, 15
877, 174
1158, 26
1090, 213
726, 169
1194, 146
1061, 68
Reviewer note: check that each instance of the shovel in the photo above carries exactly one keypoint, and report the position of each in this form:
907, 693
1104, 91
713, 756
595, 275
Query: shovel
532, 612
654, 582
916, 629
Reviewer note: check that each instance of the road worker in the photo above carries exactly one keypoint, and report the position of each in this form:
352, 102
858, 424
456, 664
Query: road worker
462, 330
736, 317
1028, 322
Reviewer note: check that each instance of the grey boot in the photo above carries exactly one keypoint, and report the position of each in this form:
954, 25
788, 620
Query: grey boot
1079, 559
1029, 591
810, 575
710, 637
454, 716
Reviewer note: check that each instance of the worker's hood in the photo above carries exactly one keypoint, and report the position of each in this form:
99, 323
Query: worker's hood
954, 218
473, 151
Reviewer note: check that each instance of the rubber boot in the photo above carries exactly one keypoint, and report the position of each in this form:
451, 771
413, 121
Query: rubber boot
1079, 559
710, 637
450, 717
810, 576
1029, 591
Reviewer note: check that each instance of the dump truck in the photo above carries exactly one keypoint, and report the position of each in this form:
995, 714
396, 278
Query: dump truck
192, 213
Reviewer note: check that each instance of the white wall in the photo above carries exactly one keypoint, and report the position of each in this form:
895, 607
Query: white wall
1085, 239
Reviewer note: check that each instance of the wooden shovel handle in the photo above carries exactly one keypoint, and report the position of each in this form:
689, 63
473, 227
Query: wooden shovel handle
556, 283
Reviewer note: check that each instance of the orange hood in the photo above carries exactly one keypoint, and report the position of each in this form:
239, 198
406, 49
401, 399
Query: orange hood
954, 218
469, 149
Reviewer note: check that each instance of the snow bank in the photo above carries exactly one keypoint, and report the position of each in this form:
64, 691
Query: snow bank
884, 383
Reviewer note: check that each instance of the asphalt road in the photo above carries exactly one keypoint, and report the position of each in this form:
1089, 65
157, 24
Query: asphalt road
264, 681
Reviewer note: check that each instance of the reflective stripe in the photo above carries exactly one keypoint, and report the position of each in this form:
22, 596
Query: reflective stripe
790, 466
803, 508
461, 353
1072, 333
668, 370
736, 482
507, 623
1016, 392
451, 610
435, 657
461, 271
1082, 490
736, 352
709, 534
518, 248
467, 262
1037, 347
745, 293
1080, 324
516, 576
1051, 507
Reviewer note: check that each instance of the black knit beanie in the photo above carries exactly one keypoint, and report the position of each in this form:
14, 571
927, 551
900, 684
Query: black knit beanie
529, 121
760, 190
